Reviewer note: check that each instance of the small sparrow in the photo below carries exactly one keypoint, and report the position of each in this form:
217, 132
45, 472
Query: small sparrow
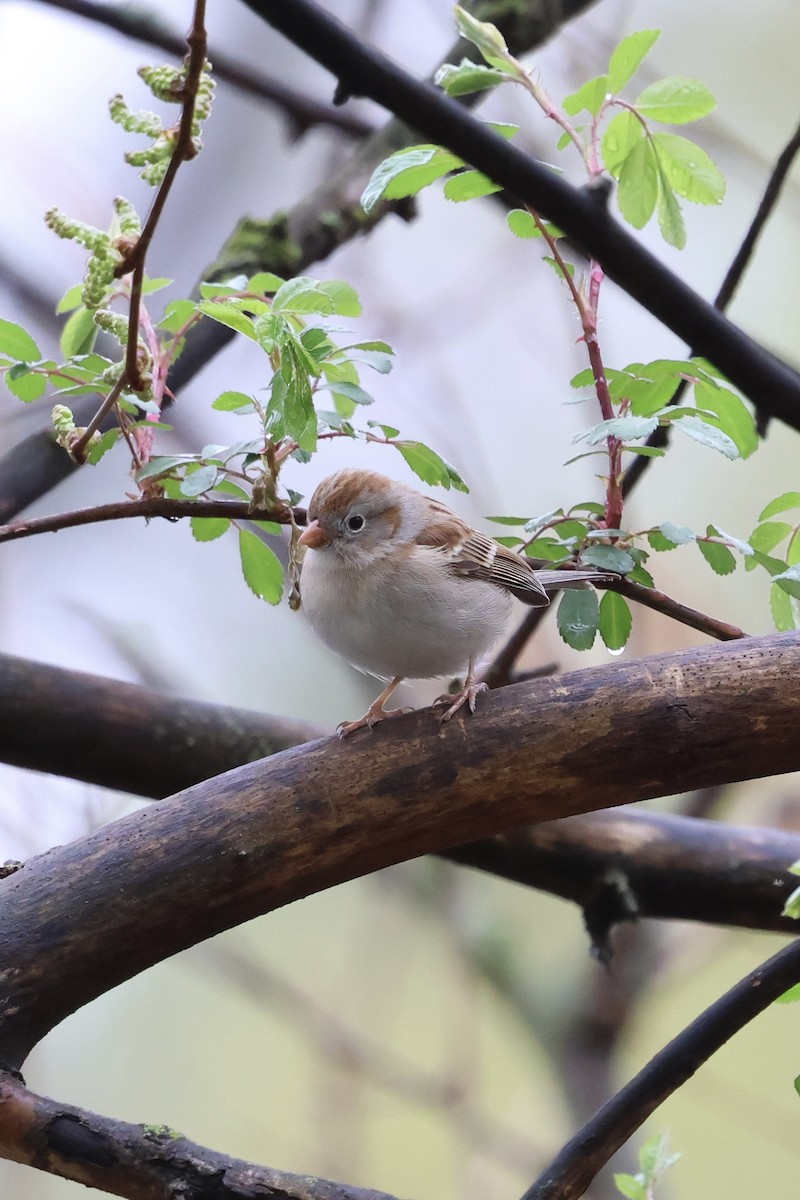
402, 587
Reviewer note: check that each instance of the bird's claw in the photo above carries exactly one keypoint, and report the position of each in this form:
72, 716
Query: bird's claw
370, 719
468, 695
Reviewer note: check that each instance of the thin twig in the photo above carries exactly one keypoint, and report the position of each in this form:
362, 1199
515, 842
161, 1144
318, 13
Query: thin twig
302, 112
154, 506
660, 602
572, 1172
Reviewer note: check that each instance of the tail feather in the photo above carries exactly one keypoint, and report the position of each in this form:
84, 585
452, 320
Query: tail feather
553, 581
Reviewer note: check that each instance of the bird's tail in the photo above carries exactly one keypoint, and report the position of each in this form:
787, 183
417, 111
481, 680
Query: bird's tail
553, 581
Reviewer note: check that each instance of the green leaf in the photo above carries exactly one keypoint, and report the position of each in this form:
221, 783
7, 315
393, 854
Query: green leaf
670, 217
302, 295
675, 101
207, 529
783, 503
25, 384
468, 185
71, 299
733, 415
388, 431
789, 581
430, 466
792, 906
793, 993
343, 296
226, 314
782, 609
690, 171
630, 1186
17, 343
718, 557
407, 172
79, 333
227, 287
467, 77
486, 38
264, 282
199, 481
155, 285
638, 185
261, 567
628, 57
579, 617
624, 428
615, 620
104, 443
522, 224
767, 536
623, 132
608, 558
352, 392
708, 435
231, 401
679, 535
589, 97
177, 314
160, 464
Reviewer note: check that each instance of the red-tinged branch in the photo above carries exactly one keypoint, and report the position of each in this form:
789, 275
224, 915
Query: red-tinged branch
660, 602
140, 1162
274, 831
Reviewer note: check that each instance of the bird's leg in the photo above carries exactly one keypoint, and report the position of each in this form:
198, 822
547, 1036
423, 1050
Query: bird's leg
468, 695
376, 711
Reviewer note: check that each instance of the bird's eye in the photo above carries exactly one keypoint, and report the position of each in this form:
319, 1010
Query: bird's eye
355, 523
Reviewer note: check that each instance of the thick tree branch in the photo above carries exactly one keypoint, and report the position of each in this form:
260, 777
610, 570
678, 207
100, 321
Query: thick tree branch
572, 1172
259, 837
141, 1162
364, 71
618, 865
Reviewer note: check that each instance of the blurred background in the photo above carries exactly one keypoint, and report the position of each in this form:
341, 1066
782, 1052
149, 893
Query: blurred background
428, 1031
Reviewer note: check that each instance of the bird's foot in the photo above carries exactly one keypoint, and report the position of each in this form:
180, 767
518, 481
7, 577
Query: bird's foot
374, 714
468, 695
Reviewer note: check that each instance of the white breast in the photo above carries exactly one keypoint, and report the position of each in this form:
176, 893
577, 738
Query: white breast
419, 621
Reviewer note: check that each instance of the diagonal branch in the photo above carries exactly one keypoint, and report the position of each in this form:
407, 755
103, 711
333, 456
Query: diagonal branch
364, 71
572, 1172
271, 832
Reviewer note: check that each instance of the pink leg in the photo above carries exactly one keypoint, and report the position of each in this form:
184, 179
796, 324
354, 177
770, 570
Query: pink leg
376, 711
468, 695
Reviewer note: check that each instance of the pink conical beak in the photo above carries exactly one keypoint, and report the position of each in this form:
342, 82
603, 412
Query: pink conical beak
314, 536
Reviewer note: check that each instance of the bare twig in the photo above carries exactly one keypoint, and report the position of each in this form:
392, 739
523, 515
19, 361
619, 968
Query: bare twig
572, 1172
660, 602
302, 112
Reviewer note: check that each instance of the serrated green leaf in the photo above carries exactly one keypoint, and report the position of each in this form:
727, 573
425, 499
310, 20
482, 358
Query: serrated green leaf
407, 172
718, 557
675, 101
261, 568
352, 392
208, 529
615, 620
790, 997
608, 558
159, 464
623, 132
708, 435
388, 431
17, 343
628, 57
579, 617
486, 38
781, 608
231, 401
467, 77
645, 451
468, 185
430, 466
792, 909
624, 428
71, 299
784, 503
793, 549
588, 98
343, 296
224, 287
767, 536
670, 217
679, 535
690, 171
637, 193
177, 314
226, 314
202, 480
302, 295
290, 412
25, 384
521, 223
640, 575
97, 449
